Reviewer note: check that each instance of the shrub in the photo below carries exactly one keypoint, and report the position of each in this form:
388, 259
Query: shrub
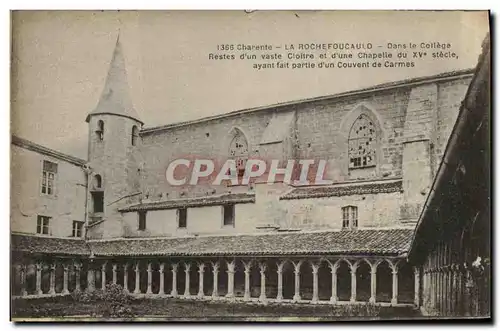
112, 302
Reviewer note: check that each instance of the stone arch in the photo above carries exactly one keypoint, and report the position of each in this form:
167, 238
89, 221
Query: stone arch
343, 279
363, 280
406, 283
306, 280
239, 276
384, 281
324, 280
288, 279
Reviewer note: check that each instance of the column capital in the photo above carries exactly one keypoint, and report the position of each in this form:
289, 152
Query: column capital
280, 265
262, 267
247, 266
78, 266
315, 267
150, 266
215, 267
187, 267
39, 266
162, 267
103, 267
297, 267
230, 266
52, 266
175, 267
136, 268
65, 267
201, 267
115, 267
125, 266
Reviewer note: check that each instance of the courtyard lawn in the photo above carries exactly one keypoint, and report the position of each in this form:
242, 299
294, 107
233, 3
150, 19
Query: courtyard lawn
178, 309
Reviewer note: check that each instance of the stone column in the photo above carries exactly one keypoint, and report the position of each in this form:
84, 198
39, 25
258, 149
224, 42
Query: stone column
90, 277
78, 270
315, 270
262, 267
230, 279
373, 287
201, 270
52, 278
454, 289
174, 280
248, 267
394, 299
296, 296
161, 291
65, 279
103, 276
354, 267
416, 272
125, 277
150, 279
215, 287
114, 273
23, 271
39, 267
333, 269
137, 289
187, 269
279, 296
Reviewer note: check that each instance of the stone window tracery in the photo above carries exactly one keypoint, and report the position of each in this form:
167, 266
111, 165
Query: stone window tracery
362, 143
238, 151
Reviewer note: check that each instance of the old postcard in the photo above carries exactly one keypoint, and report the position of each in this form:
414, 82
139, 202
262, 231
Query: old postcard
250, 165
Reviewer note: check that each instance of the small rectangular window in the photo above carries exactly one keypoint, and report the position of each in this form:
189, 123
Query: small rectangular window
42, 224
349, 217
228, 216
77, 229
182, 217
142, 220
49, 173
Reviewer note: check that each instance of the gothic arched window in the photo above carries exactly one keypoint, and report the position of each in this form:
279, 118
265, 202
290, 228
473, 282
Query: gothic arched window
238, 151
362, 143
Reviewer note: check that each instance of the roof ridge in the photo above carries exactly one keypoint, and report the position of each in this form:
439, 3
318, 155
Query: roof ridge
28, 144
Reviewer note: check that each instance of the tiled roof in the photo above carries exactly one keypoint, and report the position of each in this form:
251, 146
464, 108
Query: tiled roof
24, 143
338, 191
193, 202
48, 245
387, 242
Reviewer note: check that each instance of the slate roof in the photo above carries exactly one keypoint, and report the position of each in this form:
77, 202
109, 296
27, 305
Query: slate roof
386, 242
192, 202
115, 98
337, 191
48, 245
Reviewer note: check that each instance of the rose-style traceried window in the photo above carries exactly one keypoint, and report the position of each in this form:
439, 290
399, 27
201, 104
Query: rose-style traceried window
238, 151
362, 143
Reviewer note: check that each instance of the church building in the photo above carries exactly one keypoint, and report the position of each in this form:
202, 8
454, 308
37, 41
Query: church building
115, 218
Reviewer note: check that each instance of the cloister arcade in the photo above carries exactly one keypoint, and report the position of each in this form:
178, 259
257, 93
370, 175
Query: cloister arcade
315, 280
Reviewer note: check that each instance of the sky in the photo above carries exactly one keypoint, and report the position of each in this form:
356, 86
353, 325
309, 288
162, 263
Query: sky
60, 59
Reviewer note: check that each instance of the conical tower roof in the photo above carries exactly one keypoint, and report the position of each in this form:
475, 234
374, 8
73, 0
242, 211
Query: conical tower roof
115, 98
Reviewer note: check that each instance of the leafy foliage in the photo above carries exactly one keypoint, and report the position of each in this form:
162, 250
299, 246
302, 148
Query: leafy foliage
112, 302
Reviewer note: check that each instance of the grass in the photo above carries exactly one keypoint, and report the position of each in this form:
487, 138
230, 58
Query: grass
178, 309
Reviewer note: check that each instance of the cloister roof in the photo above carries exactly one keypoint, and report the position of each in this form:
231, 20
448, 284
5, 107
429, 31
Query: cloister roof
337, 191
394, 242
48, 245
192, 202
387, 242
